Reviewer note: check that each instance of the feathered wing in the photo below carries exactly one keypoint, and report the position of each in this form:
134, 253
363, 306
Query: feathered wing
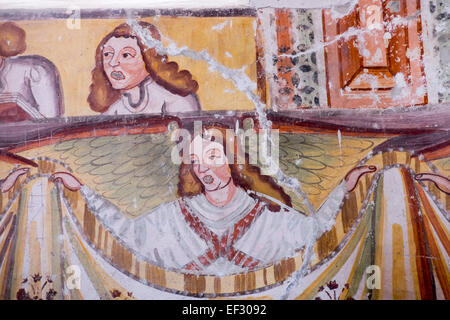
320, 162
134, 172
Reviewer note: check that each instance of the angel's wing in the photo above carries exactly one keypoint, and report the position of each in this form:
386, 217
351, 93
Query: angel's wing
320, 162
134, 172
443, 166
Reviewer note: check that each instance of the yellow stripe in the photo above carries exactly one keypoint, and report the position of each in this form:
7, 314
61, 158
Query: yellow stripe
398, 264
209, 284
176, 281
227, 284
401, 157
101, 275
320, 279
355, 264
4, 274
142, 267
377, 294
259, 276
5, 234
363, 294
22, 216
73, 293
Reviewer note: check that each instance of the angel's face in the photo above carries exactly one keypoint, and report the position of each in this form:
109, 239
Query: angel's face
210, 164
123, 63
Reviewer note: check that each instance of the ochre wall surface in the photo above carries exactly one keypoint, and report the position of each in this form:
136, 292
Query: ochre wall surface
229, 40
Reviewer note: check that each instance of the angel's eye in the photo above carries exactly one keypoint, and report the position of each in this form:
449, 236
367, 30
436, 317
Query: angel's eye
107, 54
126, 55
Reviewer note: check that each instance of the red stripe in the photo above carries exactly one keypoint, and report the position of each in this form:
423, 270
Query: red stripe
192, 266
199, 228
242, 225
239, 257
221, 248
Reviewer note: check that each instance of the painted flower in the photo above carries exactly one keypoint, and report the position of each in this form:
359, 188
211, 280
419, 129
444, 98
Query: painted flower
37, 277
22, 294
332, 285
50, 294
116, 293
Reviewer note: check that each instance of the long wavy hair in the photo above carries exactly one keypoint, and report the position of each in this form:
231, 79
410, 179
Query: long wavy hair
245, 175
167, 74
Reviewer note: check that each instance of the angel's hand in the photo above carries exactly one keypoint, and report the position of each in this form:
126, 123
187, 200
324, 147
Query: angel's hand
441, 182
352, 178
11, 179
67, 179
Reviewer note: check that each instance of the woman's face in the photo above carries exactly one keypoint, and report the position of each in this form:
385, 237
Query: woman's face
210, 164
123, 63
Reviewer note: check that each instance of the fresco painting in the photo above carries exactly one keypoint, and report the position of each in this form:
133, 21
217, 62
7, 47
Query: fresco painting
30, 81
242, 153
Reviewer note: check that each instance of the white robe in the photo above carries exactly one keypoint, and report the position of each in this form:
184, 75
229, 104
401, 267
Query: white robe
36, 81
164, 237
156, 100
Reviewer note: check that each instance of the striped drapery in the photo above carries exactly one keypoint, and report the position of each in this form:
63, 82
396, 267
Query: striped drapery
389, 241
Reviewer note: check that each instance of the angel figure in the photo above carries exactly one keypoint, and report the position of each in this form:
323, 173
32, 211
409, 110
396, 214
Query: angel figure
229, 218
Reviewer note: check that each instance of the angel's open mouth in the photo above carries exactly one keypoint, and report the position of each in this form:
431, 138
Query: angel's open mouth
208, 179
117, 75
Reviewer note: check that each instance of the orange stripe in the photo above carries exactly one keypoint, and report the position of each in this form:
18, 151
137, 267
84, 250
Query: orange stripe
92, 132
424, 272
442, 234
260, 73
310, 127
440, 153
440, 268
284, 64
412, 251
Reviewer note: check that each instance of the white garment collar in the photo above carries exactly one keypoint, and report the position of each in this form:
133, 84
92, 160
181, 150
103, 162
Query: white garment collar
220, 219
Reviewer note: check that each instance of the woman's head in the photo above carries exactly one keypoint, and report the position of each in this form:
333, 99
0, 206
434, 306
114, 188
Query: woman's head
213, 161
12, 39
123, 61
